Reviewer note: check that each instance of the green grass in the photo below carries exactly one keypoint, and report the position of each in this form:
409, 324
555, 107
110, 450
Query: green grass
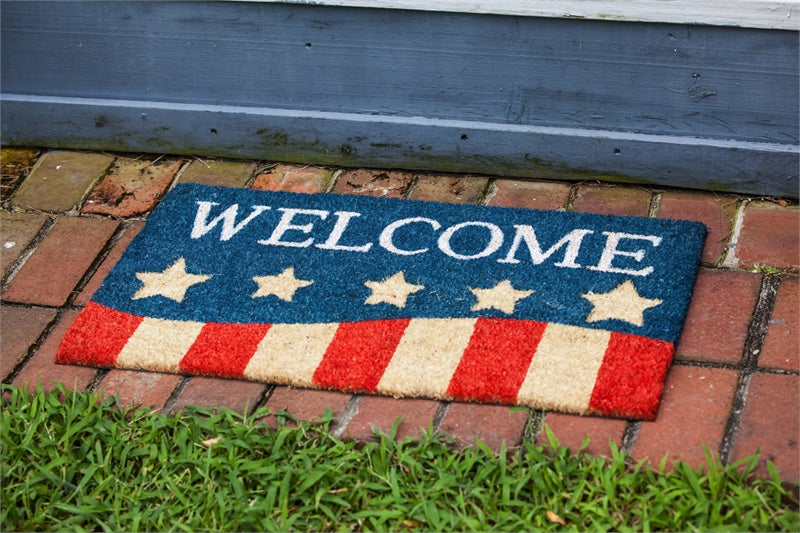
770, 270
73, 462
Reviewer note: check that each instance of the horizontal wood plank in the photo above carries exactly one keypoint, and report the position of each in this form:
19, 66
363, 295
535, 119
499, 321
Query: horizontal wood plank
402, 142
699, 106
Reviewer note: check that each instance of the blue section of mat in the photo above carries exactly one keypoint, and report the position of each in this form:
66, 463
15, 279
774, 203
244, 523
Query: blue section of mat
445, 248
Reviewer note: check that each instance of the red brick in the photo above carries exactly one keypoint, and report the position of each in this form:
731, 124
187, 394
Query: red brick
139, 389
18, 229
714, 211
108, 263
624, 201
218, 392
42, 366
571, 430
694, 411
770, 236
305, 404
20, 329
450, 189
218, 172
293, 178
58, 264
529, 194
781, 347
60, 180
719, 316
379, 183
381, 413
133, 187
771, 422
491, 424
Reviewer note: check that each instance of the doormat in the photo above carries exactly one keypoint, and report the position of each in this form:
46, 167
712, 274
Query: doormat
555, 310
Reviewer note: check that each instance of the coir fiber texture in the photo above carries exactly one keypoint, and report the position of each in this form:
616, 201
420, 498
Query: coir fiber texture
562, 311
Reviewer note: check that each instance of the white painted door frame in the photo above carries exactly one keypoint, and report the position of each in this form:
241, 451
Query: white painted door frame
766, 14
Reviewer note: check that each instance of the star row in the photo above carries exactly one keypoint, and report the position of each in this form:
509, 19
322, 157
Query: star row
622, 303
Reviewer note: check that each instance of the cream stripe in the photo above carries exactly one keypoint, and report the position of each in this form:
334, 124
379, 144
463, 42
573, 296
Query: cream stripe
427, 357
290, 353
564, 368
159, 344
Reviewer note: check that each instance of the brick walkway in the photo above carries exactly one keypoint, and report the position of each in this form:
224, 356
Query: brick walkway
67, 217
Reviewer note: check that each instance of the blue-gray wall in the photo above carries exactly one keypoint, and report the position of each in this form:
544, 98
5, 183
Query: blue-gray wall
678, 105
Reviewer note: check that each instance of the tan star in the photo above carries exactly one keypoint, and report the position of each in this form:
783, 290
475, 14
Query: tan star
172, 283
622, 303
502, 297
284, 285
394, 290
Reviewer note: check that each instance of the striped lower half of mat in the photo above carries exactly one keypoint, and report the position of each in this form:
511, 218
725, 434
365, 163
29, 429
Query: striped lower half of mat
507, 361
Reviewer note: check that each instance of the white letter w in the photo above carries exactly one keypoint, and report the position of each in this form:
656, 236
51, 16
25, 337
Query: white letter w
228, 218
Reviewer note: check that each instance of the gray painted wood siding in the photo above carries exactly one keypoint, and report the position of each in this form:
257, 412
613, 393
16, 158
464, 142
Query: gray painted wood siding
682, 105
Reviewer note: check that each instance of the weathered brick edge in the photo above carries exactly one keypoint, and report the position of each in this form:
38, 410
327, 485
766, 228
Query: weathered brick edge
733, 387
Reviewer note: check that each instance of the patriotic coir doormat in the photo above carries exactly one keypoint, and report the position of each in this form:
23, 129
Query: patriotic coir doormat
563, 311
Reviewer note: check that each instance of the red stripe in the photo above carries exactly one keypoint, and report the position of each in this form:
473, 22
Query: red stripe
631, 379
97, 336
359, 353
496, 360
223, 349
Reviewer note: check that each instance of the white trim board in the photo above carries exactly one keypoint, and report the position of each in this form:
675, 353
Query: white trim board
768, 14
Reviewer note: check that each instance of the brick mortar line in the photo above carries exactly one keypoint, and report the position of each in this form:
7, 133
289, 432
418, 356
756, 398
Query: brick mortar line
629, 436
76, 210
738, 367
412, 184
26, 305
256, 170
729, 259
735, 416
263, 398
782, 272
438, 417
573, 193
5, 202
344, 419
332, 181
251, 179
534, 426
176, 392
749, 362
177, 177
97, 381
26, 254
760, 322
707, 364
655, 204
173, 182
777, 371
489, 190
142, 217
